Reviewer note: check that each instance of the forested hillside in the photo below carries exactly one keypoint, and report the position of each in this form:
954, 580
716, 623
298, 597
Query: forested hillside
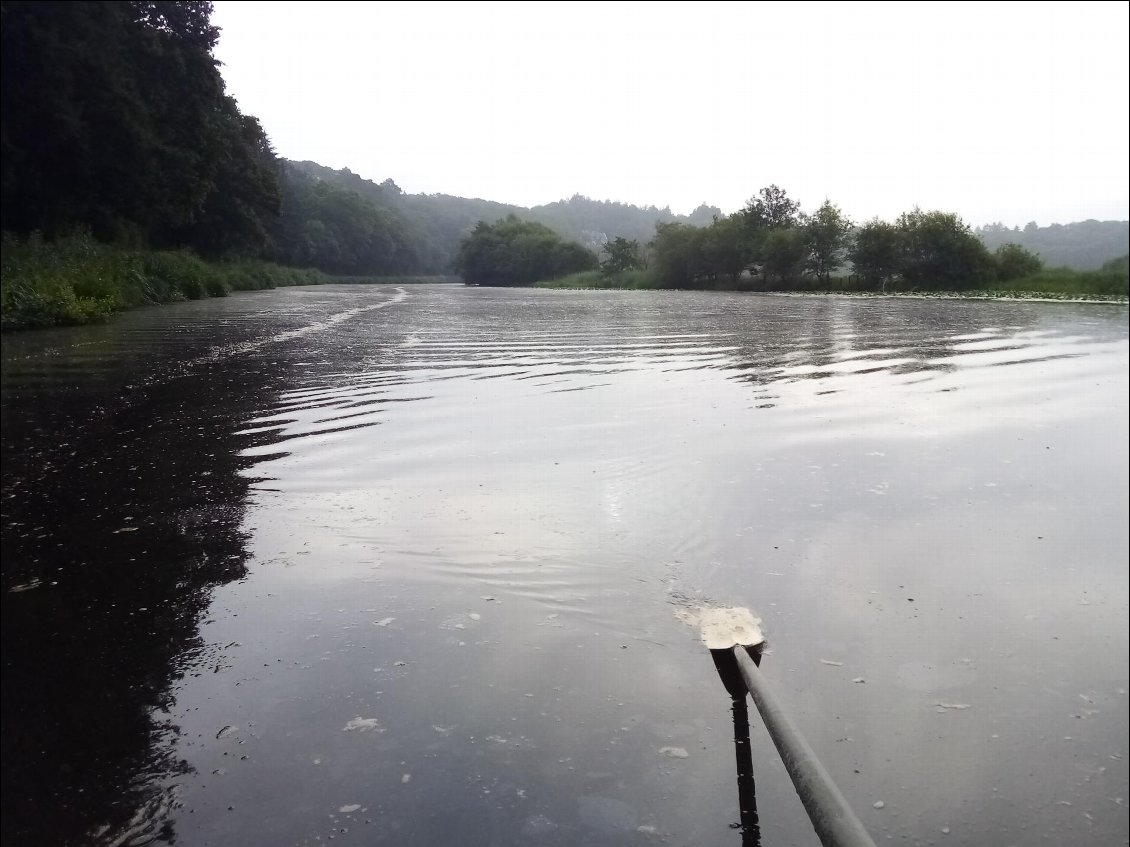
115, 120
435, 223
117, 125
1086, 245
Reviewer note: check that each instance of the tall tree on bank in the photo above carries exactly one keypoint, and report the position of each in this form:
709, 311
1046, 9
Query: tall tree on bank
827, 232
876, 252
115, 119
938, 248
621, 254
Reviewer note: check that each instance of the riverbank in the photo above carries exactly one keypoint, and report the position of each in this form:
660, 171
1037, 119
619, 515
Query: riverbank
1053, 284
79, 280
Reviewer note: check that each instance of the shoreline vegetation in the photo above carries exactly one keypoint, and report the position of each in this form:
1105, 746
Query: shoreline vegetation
79, 280
1055, 284
130, 177
772, 245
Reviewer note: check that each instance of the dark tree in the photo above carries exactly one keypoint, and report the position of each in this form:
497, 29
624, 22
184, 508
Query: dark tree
1014, 262
876, 252
725, 247
939, 249
516, 252
115, 119
827, 232
771, 209
783, 254
621, 254
678, 255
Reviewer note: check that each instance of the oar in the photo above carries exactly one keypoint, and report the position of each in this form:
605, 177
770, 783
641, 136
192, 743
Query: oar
735, 641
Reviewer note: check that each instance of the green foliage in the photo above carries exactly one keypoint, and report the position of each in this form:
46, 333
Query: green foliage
783, 254
876, 252
724, 248
1083, 245
678, 255
428, 228
115, 119
939, 250
1064, 284
79, 280
621, 254
515, 252
827, 232
1119, 265
771, 208
338, 230
634, 279
1013, 261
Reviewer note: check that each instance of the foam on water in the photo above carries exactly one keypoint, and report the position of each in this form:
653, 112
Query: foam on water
723, 628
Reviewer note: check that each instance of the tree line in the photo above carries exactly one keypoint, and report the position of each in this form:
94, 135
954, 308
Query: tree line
772, 243
116, 122
1083, 245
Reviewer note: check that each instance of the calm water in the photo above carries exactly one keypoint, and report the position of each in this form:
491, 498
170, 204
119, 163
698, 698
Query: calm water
402, 567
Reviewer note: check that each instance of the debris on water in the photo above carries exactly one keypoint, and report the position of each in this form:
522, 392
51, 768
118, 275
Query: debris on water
404, 780
349, 809
831, 662
360, 724
488, 598
945, 707
226, 731
674, 752
383, 621
945, 830
859, 679
400, 664
721, 629
537, 825
878, 804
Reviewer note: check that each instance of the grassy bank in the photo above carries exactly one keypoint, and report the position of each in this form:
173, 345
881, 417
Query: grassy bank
79, 280
1052, 284
1064, 283
598, 279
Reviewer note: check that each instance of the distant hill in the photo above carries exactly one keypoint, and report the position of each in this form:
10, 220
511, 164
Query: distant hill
338, 221
436, 222
1086, 245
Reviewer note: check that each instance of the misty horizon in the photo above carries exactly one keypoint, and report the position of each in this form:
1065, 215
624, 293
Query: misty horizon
994, 115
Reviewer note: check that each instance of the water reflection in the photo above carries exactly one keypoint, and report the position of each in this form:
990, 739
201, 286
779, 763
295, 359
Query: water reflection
124, 501
747, 790
409, 571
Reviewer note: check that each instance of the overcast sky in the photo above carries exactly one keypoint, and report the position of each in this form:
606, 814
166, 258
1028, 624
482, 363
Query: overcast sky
1009, 112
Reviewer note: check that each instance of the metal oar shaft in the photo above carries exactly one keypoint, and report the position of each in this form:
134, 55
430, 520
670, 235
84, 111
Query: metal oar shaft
834, 821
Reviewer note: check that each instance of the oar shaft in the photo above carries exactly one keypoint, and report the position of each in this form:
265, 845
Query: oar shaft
834, 821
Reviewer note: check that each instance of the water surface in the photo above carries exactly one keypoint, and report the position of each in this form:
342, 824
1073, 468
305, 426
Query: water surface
403, 565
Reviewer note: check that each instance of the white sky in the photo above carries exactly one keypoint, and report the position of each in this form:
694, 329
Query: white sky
1010, 112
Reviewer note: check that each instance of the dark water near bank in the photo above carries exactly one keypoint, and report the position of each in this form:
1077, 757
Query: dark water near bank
402, 567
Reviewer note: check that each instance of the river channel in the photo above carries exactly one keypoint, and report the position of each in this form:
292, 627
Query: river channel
406, 566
